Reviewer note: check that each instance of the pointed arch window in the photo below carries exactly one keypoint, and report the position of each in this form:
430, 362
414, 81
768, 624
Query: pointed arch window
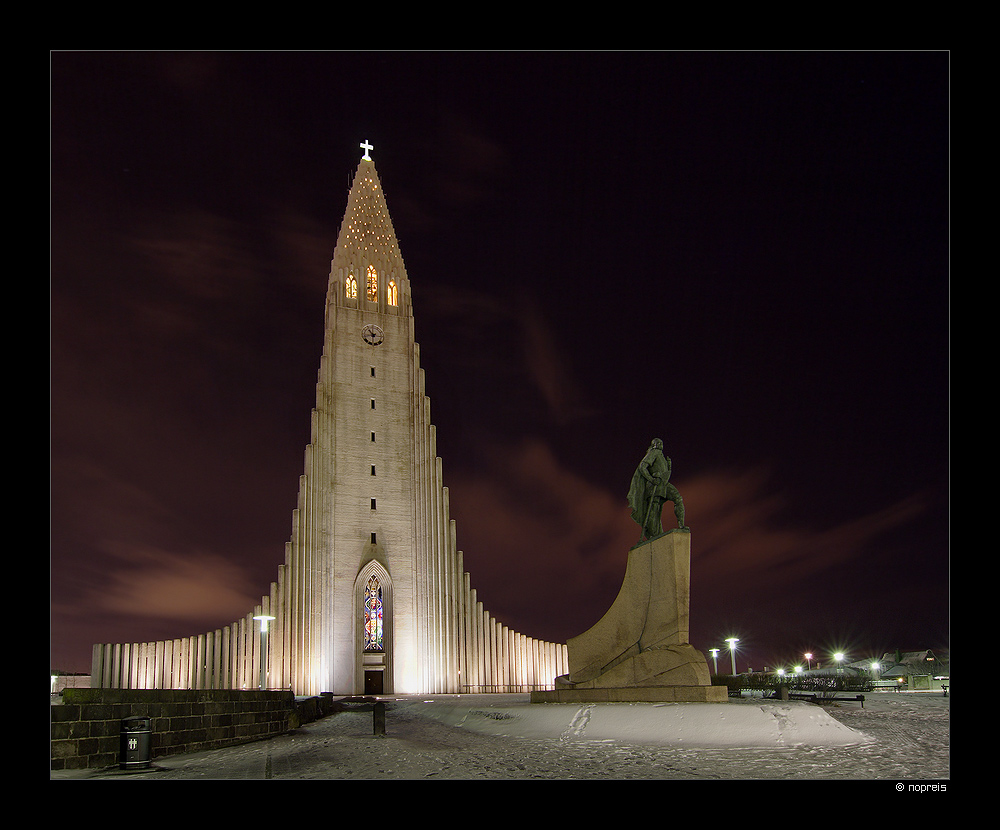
373, 615
392, 293
372, 283
351, 288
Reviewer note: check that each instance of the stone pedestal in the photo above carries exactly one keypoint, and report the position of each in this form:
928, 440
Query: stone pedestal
639, 649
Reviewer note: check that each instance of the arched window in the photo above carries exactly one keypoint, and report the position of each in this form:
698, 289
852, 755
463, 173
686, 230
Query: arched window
373, 615
392, 295
372, 283
351, 288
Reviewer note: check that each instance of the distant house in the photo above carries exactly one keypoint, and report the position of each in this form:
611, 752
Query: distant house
915, 671
59, 681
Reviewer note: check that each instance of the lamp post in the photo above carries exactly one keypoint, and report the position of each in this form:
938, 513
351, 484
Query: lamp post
839, 657
808, 655
732, 651
263, 618
715, 658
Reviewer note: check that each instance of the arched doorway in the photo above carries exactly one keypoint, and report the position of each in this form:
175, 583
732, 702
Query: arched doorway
373, 644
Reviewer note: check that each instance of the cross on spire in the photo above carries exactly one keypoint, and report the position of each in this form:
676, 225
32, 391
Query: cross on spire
364, 145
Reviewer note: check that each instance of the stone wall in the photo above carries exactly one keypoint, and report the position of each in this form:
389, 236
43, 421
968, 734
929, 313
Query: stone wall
86, 727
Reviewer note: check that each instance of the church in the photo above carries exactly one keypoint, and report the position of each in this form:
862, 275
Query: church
372, 597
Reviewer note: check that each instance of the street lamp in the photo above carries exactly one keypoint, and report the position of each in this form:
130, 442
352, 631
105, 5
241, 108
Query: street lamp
715, 658
808, 655
839, 657
732, 650
264, 618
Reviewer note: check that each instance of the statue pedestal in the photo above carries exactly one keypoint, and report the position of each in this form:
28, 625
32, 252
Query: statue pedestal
639, 649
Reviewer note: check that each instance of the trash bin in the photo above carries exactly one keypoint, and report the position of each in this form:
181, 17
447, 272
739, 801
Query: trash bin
135, 743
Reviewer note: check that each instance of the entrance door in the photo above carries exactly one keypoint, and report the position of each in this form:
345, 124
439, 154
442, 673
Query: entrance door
373, 605
373, 682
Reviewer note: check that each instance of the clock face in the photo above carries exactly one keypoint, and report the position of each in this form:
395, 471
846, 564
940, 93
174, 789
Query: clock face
372, 335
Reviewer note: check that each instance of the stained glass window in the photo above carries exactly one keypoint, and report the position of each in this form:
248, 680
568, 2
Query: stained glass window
351, 289
372, 283
392, 295
373, 615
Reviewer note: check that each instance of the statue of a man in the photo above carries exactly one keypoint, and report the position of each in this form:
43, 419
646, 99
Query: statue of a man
650, 488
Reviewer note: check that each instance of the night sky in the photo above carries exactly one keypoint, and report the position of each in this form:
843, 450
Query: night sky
744, 254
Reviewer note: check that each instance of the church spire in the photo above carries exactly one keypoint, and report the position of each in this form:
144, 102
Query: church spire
367, 271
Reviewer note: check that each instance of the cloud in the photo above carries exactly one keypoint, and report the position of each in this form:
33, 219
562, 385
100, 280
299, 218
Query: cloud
548, 368
173, 586
540, 540
508, 341
122, 548
745, 538
475, 162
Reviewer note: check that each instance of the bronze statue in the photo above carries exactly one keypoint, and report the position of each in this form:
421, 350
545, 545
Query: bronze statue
650, 488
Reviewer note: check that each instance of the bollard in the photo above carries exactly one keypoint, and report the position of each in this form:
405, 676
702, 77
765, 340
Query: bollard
135, 743
378, 718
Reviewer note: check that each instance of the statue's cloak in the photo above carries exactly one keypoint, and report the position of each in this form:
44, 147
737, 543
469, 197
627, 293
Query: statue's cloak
641, 491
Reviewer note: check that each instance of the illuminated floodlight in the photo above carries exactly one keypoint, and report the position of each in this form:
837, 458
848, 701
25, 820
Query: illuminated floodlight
715, 658
781, 672
798, 669
808, 655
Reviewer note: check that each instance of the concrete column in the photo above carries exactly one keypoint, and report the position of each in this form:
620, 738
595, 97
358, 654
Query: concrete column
503, 654
516, 662
274, 640
192, 661
97, 666
133, 665
454, 602
463, 630
199, 661
475, 639
498, 628
284, 628
158, 648
489, 678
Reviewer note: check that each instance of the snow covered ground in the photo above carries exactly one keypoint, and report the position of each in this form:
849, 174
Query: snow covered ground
895, 736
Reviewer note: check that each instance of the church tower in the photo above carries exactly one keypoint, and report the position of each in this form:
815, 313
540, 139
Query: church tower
363, 530
372, 596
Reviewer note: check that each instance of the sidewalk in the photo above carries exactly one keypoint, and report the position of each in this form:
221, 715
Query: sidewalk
900, 737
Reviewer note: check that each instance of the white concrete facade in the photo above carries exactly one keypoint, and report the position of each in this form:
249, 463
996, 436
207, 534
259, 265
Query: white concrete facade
372, 503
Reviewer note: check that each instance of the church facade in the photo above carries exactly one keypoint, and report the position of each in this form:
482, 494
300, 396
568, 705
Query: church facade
372, 596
